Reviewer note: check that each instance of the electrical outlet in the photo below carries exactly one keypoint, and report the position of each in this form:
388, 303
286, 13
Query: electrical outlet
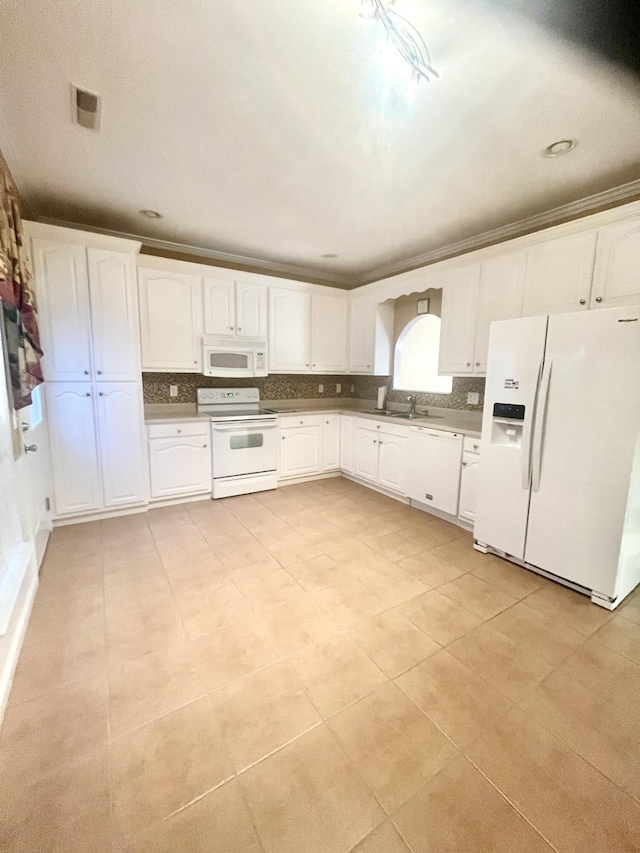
173, 390
321, 389
473, 398
338, 388
353, 388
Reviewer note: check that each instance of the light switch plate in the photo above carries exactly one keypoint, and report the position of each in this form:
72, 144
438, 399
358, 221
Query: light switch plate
473, 398
321, 389
173, 390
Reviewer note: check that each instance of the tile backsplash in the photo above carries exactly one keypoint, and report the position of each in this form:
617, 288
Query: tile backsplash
281, 386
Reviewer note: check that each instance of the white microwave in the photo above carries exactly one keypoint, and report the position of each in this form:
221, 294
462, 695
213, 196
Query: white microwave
233, 358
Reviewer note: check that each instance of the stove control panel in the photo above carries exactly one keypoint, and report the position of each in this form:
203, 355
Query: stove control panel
222, 396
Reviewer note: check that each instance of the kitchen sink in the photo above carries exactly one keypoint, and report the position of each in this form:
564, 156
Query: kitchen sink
407, 416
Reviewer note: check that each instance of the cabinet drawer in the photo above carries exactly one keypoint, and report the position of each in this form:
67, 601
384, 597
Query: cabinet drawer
471, 445
385, 426
301, 421
179, 430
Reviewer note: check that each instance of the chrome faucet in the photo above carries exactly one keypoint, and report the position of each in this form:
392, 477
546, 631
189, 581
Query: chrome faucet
412, 404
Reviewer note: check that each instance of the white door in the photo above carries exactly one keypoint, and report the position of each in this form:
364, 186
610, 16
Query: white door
331, 443
469, 487
559, 273
73, 437
329, 316
300, 451
63, 295
458, 331
362, 335
585, 441
499, 298
391, 462
289, 331
346, 443
615, 280
251, 310
170, 321
219, 306
180, 466
122, 444
366, 454
33, 473
114, 316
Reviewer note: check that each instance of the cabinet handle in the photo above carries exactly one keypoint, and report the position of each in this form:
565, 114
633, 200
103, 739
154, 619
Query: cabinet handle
598, 298
583, 302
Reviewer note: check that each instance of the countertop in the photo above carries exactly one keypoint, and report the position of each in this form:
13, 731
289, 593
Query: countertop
449, 420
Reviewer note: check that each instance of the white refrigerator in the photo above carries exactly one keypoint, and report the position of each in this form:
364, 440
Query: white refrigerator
559, 479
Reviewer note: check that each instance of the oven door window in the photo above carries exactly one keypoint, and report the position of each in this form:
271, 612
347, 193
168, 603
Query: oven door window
245, 442
229, 360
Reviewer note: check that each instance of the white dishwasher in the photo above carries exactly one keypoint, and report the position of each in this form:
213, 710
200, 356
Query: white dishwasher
435, 463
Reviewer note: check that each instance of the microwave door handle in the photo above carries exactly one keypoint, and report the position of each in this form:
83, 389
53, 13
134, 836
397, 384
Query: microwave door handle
538, 436
529, 431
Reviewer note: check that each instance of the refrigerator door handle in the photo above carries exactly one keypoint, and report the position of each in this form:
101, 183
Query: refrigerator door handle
541, 411
528, 433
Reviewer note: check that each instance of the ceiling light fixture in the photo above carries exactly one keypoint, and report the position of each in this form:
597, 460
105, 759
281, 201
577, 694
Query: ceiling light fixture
557, 149
151, 214
403, 36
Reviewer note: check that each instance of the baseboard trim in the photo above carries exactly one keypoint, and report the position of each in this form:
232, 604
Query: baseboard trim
293, 481
19, 631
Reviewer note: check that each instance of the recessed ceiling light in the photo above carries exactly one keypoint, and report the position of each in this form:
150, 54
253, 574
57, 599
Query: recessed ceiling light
329, 255
562, 146
151, 214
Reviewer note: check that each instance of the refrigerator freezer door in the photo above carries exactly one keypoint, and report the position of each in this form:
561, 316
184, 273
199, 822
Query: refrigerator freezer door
516, 352
589, 432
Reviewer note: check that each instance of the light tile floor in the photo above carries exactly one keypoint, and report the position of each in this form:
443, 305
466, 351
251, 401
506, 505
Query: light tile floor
319, 669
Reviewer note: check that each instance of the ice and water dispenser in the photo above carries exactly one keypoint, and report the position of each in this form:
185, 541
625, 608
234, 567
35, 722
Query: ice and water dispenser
508, 425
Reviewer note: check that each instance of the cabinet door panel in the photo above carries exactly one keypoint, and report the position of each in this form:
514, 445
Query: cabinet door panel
219, 310
558, 277
499, 298
251, 310
391, 462
180, 466
366, 454
63, 295
114, 316
616, 279
121, 440
469, 487
170, 321
361, 335
458, 332
74, 448
289, 331
331, 443
329, 334
346, 443
300, 451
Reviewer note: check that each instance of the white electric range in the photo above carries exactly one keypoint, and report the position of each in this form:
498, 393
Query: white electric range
244, 441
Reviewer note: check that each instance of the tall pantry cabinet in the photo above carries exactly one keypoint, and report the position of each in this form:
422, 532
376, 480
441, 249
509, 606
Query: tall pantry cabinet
87, 306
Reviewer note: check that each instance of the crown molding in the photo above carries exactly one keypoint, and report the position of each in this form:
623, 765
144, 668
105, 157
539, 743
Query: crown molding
238, 261
572, 210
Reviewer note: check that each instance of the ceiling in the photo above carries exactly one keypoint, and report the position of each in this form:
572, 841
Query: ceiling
273, 131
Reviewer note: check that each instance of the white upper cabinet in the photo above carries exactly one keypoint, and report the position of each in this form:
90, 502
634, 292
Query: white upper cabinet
361, 335
459, 310
329, 317
62, 286
122, 444
289, 331
616, 278
114, 316
236, 308
170, 321
559, 273
219, 306
251, 310
500, 296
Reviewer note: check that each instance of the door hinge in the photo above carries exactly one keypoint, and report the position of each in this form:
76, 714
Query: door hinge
47, 504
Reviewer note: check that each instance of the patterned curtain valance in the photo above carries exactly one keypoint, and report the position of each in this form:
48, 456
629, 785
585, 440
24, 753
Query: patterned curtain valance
18, 302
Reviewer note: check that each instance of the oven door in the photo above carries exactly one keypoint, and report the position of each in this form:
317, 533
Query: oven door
244, 447
230, 363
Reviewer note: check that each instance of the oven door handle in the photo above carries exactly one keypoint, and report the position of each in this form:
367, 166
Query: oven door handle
235, 425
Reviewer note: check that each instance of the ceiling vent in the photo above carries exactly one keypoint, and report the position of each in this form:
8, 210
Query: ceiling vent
85, 108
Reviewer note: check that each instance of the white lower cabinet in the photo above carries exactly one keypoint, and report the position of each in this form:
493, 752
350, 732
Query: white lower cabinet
300, 446
469, 481
180, 460
331, 442
380, 453
121, 433
391, 462
366, 453
346, 443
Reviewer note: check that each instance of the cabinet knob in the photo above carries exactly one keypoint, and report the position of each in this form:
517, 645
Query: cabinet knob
179, 431
283, 437
583, 302
368, 366
231, 328
301, 423
30, 448
477, 364
101, 394
87, 394
598, 298
239, 328
195, 360
468, 364
475, 446
99, 373
205, 445
464, 464
86, 372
